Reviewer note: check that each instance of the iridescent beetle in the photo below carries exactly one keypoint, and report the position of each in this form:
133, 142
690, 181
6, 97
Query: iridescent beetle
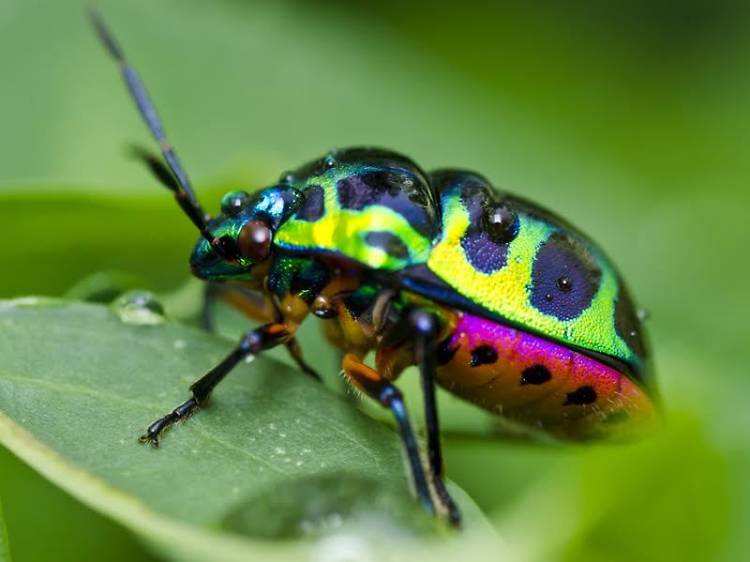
495, 299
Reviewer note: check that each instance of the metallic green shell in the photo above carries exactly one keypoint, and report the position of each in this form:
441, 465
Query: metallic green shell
519, 280
372, 206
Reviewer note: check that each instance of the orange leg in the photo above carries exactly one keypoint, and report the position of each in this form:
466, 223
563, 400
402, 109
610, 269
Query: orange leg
376, 386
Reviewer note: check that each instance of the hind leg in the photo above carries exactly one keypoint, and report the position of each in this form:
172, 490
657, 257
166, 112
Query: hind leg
387, 395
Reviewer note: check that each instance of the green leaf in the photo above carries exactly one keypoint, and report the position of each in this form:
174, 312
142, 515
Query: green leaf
78, 384
4, 546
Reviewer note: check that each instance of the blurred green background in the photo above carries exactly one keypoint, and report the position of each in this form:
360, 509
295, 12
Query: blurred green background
632, 119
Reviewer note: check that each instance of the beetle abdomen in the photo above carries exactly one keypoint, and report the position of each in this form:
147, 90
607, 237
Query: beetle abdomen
538, 382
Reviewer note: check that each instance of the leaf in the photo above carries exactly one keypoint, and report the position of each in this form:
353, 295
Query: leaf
4, 546
77, 386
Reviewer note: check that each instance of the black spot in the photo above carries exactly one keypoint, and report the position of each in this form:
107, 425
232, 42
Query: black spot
399, 190
565, 278
445, 352
483, 253
627, 325
580, 396
314, 206
536, 374
483, 355
389, 243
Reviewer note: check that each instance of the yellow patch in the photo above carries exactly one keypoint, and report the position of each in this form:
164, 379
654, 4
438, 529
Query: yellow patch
506, 292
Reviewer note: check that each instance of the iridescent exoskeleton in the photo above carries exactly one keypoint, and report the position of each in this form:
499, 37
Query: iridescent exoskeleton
494, 298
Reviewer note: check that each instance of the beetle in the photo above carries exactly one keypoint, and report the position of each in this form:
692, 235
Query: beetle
494, 298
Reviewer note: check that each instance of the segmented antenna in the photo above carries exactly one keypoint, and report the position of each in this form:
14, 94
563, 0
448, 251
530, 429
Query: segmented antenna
174, 178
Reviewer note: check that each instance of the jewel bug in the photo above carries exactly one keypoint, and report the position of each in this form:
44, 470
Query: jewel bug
493, 298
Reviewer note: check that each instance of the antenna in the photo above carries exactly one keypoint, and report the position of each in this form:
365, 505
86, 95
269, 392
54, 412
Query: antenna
172, 175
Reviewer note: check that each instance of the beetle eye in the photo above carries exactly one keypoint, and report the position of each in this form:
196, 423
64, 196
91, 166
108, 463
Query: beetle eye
233, 202
254, 242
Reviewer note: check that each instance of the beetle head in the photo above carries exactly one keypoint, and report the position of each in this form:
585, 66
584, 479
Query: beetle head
242, 235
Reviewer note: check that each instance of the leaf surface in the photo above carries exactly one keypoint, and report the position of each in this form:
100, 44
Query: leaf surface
78, 385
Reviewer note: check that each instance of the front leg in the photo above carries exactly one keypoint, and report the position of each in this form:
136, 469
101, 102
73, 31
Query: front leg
252, 304
252, 343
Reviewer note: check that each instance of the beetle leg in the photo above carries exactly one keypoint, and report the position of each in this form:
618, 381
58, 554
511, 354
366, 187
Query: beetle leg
252, 343
254, 305
425, 327
376, 386
295, 351
250, 303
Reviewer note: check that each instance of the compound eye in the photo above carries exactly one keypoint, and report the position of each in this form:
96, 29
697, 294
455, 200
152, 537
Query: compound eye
233, 202
254, 242
500, 223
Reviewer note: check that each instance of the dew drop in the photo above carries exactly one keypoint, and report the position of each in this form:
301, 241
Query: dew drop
565, 284
500, 223
140, 308
330, 159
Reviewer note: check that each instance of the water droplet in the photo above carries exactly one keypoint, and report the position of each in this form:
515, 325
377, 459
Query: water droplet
330, 159
643, 314
233, 202
548, 297
249, 359
565, 284
140, 308
287, 177
501, 223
